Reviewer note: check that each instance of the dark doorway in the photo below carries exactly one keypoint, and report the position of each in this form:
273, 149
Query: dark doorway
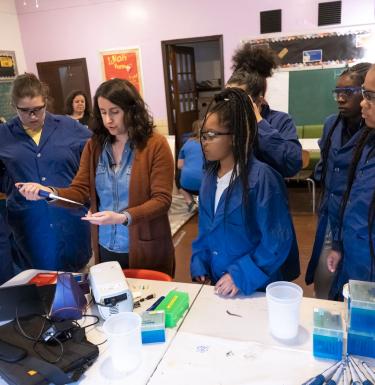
193, 72
62, 77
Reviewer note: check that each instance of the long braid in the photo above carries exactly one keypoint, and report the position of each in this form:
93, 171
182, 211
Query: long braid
236, 113
351, 176
371, 217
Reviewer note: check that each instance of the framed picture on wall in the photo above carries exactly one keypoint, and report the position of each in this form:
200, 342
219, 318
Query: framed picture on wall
8, 65
123, 64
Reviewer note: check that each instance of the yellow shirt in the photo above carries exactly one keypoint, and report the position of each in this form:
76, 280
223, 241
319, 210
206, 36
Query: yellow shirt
34, 134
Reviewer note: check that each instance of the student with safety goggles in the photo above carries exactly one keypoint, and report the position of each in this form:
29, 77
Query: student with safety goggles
341, 133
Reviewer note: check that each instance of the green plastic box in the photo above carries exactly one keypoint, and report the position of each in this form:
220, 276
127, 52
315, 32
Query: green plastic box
174, 305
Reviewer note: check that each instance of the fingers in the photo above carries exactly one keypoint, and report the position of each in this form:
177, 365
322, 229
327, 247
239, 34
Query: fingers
225, 286
30, 190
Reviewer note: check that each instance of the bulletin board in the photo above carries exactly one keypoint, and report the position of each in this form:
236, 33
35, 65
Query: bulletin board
8, 65
123, 64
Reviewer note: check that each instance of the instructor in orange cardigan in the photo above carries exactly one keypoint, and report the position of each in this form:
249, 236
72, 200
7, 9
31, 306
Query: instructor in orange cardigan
126, 177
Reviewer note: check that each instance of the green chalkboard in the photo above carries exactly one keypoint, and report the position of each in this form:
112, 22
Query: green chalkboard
6, 109
310, 95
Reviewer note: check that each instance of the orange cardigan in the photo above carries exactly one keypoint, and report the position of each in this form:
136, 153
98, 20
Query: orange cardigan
150, 196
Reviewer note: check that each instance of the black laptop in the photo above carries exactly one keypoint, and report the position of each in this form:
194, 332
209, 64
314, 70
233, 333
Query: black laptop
25, 300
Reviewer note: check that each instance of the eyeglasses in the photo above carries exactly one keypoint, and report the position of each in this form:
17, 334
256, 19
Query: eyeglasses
31, 111
345, 92
212, 135
368, 95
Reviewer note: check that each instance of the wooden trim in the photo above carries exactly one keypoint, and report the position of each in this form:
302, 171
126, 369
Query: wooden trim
165, 52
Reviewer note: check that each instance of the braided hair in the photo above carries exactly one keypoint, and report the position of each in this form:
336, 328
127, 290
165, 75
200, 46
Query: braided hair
351, 176
357, 73
236, 114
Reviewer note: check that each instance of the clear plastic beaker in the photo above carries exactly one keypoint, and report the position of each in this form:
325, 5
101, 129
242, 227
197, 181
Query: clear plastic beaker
283, 300
123, 331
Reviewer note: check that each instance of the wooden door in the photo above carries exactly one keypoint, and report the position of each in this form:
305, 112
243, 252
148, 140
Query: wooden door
62, 77
183, 91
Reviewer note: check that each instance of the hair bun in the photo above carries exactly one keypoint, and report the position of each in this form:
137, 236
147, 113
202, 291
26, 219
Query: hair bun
252, 58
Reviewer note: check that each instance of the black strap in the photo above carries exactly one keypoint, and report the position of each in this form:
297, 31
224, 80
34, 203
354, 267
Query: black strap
49, 371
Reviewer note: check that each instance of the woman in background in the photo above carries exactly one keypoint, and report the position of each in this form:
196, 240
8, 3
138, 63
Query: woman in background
126, 173
44, 148
245, 230
190, 164
77, 107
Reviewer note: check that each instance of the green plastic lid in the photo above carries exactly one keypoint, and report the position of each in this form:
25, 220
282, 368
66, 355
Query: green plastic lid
174, 305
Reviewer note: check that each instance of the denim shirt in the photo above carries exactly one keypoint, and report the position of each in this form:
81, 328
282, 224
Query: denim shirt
112, 187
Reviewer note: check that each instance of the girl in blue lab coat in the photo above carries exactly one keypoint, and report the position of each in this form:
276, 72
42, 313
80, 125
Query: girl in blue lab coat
354, 256
341, 133
245, 230
278, 143
44, 148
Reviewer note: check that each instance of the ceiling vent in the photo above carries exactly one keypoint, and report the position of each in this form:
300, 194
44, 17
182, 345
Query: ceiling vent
270, 21
329, 13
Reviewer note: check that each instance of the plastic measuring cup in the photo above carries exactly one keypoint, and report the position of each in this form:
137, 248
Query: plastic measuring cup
123, 331
283, 300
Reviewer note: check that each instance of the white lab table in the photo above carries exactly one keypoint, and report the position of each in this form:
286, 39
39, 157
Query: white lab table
211, 347
214, 347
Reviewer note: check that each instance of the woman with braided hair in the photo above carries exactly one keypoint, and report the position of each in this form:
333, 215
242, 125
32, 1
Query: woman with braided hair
353, 242
277, 139
245, 230
341, 134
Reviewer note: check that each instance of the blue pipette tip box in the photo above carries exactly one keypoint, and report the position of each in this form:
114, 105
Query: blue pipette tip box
328, 334
153, 326
361, 344
362, 307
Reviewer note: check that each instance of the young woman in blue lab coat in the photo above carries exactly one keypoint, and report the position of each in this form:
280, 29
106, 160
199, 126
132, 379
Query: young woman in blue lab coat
245, 230
278, 143
41, 147
354, 256
341, 133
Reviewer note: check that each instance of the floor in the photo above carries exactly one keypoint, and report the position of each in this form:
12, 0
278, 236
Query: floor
304, 222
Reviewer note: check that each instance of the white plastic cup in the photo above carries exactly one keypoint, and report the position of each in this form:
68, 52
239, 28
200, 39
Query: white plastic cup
283, 300
123, 331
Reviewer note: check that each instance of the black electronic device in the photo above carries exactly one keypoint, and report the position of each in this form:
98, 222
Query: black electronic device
25, 300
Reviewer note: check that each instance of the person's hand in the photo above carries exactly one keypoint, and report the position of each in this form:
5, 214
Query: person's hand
30, 190
333, 259
202, 279
225, 286
105, 218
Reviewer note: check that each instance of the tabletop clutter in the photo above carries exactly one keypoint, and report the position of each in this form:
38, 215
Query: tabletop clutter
355, 335
334, 336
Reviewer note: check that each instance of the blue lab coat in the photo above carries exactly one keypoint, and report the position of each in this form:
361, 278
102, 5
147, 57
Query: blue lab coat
48, 237
6, 262
278, 143
251, 250
339, 160
354, 242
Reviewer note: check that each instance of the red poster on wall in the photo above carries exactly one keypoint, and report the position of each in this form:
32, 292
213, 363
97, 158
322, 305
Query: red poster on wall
123, 64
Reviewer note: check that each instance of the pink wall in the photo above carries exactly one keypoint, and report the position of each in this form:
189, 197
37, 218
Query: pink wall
69, 29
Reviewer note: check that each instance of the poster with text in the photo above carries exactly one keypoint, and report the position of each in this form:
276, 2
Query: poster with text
123, 64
